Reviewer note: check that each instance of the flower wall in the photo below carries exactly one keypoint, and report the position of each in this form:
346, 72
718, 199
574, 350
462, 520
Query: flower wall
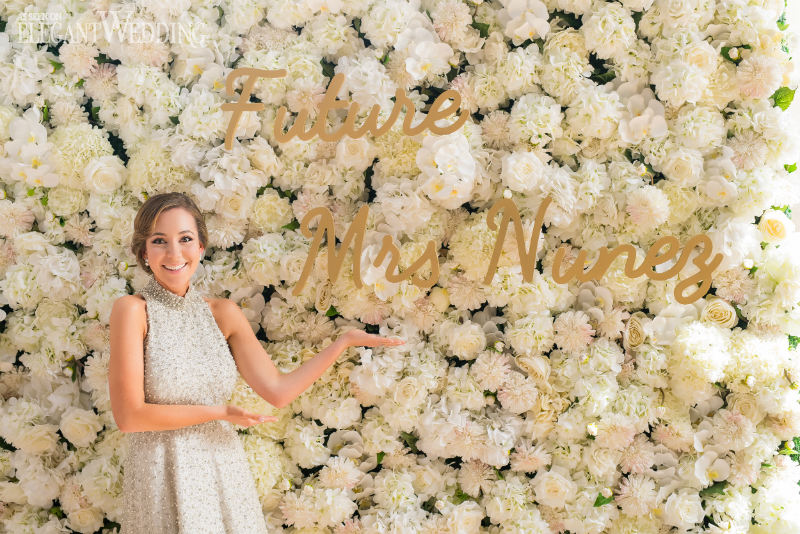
516, 406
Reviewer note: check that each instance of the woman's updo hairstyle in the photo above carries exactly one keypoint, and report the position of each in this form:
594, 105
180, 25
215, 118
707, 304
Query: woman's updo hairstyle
145, 221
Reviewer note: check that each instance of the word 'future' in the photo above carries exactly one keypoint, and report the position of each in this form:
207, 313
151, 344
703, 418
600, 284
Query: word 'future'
330, 102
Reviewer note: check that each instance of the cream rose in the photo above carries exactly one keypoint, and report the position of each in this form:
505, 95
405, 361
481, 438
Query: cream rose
719, 312
104, 174
80, 426
85, 519
36, 440
554, 487
775, 226
683, 509
355, 153
634, 333
409, 392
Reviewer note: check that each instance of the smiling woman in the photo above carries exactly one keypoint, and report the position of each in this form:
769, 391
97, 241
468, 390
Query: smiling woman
176, 357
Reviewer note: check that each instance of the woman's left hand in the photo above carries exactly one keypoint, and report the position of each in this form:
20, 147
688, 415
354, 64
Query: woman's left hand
360, 338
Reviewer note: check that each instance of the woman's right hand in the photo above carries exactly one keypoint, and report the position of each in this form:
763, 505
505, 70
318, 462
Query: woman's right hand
238, 416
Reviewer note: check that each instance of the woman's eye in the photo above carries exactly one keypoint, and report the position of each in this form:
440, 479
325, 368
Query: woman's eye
158, 240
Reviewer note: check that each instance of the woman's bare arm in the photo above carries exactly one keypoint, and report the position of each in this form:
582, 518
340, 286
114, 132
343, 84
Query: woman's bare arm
259, 371
126, 378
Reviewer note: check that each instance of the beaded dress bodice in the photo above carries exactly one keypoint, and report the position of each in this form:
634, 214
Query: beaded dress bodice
187, 359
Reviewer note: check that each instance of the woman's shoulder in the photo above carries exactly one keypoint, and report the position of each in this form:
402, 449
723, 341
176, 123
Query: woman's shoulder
132, 306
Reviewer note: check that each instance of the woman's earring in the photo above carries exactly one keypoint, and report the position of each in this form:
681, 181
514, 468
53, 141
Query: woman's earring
146, 262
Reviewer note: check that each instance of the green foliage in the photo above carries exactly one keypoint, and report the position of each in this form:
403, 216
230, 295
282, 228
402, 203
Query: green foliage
481, 27
714, 489
601, 501
726, 53
783, 97
410, 441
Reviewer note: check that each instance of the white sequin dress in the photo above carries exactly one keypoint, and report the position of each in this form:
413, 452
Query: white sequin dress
195, 479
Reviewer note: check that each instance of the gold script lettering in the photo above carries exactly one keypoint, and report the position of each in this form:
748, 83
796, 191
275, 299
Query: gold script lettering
606, 256
330, 101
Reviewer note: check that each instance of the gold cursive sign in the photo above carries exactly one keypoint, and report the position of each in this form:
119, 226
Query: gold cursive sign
510, 213
329, 102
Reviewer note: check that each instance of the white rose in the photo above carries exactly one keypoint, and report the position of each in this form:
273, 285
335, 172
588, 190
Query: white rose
775, 226
104, 174
85, 519
554, 487
80, 426
522, 171
466, 340
37, 439
409, 392
719, 312
683, 509
355, 153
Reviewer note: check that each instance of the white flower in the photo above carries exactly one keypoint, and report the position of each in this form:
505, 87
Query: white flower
104, 174
759, 75
554, 487
522, 171
683, 509
354, 153
426, 55
610, 30
775, 226
448, 169
524, 19
80, 426
643, 116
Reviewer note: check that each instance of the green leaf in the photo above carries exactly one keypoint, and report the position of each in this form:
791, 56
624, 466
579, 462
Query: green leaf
327, 68
782, 26
174, 119
45, 112
716, 488
790, 168
410, 441
499, 474
783, 97
331, 312
380, 457
793, 342
726, 53
460, 496
482, 27
56, 64
294, 225
601, 501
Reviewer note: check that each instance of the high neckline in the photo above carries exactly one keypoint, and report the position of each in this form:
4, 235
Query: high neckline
168, 298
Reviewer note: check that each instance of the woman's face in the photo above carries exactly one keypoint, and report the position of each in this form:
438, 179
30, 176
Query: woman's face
174, 242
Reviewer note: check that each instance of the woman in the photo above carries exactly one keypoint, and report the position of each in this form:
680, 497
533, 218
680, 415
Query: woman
175, 356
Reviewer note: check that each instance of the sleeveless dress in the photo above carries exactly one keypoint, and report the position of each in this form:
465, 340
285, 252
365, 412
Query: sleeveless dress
195, 479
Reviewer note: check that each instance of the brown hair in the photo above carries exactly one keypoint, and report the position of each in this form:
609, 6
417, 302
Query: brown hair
145, 221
